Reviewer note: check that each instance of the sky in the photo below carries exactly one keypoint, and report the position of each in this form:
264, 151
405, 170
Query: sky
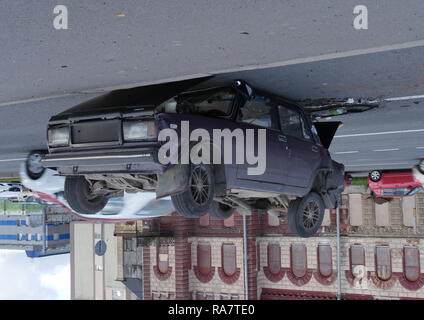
23, 278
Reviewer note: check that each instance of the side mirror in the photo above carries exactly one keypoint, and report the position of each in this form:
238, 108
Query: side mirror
243, 88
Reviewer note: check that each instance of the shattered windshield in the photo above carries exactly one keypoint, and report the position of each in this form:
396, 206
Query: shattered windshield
213, 103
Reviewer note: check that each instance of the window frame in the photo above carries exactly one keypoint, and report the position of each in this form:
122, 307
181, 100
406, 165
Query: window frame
304, 124
234, 106
201, 248
417, 251
223, 264
377, 266
274, 112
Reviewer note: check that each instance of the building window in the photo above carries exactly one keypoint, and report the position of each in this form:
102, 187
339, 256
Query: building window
38, 237
55, 236
163, 259
29, 236
204, 261
204, 271
20, 236
274, 258
383, 262
229, 263
228, 272
357, 256
325, 260
411, 263
298, 260
129, 245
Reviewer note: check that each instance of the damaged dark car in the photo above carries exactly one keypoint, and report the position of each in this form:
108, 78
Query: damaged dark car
110, 145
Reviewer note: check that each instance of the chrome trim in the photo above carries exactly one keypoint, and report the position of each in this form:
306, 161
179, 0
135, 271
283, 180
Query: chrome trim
99, 157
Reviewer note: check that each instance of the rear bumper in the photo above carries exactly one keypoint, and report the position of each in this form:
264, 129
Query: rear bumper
140, 160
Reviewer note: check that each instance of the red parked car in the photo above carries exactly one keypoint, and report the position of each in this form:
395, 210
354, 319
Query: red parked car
400, 183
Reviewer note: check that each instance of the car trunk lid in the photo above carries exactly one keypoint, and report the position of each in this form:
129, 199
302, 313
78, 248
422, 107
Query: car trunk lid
326, 131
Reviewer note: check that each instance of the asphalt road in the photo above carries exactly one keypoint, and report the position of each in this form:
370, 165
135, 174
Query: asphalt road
299, 49
121, 43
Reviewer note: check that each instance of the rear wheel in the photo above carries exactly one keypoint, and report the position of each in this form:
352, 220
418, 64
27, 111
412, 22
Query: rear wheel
375, 176
80, 198
198, 198
305, 215
33, 165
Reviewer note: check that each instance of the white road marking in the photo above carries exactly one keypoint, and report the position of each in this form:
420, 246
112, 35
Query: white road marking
323, 57
345, 152
419, 147
405, 98
384, 150
10, 160
377, 133
375, 164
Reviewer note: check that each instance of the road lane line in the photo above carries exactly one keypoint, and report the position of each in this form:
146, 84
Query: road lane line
419, 147
377, 133
345, 152
10, 160
375, 164
405, 98
384, 150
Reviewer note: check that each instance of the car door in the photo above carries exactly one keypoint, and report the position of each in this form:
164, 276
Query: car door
260, 113
304, 153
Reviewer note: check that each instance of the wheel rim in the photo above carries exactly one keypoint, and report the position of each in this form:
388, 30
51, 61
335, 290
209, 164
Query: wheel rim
34, 163
199, 185
375, 175
310, 215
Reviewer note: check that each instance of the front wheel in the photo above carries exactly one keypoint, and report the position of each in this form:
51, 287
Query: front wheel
198, 198
80, 198
33, 165
305, 215
375, 176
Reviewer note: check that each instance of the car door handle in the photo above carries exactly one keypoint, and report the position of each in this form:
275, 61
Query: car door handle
314, 148
282, 138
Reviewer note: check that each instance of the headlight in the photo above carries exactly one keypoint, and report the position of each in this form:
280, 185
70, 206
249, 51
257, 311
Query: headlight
58, 136
139, 130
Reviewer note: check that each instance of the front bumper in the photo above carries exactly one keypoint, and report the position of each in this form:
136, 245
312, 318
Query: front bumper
140, 160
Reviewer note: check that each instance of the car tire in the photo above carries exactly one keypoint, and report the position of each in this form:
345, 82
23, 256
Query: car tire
197, 199
33, 167
310, 207
375, 176
220, 211
77, 194
420, 166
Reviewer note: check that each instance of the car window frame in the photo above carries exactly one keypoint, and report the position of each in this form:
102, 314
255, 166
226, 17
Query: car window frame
199, 92
274, 112
303, 121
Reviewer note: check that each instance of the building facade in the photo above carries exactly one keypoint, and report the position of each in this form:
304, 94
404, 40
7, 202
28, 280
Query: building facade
40, 230
381, 253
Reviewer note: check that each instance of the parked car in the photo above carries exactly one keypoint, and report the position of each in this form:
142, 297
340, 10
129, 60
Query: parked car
48, 186
400, 183
110, 144
12, 187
